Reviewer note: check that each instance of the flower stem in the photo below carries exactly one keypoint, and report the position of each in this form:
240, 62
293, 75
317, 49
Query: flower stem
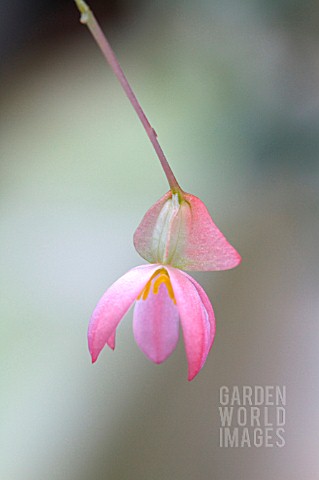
87, 18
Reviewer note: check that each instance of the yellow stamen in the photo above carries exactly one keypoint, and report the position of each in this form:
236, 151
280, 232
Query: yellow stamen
162, 277
146, 290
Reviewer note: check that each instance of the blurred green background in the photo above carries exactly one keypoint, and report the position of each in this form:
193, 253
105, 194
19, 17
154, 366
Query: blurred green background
232, 89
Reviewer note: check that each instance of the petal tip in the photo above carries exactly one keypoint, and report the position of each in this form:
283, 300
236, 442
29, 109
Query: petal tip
157, 362
191, 376
93, 358
238, 260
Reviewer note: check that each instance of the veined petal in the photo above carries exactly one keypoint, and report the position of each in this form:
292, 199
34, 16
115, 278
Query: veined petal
144, 234
163, 232
156, 324
113, 306
179, 231
166, 231
194, 320
206, 247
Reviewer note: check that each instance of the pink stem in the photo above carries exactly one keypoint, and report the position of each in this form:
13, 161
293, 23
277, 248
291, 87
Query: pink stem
88, 18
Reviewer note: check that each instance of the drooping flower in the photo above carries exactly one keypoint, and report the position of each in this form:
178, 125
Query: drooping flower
177, 233
173, 234
164, 297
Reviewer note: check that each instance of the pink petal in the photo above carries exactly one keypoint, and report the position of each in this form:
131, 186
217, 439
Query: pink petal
156, 325
143, 236
194, 320
113, 306
111, 341
208, 307
206, 247
193, 241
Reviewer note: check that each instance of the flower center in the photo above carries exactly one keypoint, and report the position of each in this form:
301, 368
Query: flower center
159, 277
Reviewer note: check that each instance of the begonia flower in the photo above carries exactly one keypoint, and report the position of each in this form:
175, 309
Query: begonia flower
172, 235
176, 234
164, 297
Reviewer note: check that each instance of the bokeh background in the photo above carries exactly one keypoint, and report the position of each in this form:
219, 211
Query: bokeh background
232, 89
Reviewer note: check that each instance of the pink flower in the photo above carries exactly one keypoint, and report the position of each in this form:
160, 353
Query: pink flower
176, 232
164, 297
